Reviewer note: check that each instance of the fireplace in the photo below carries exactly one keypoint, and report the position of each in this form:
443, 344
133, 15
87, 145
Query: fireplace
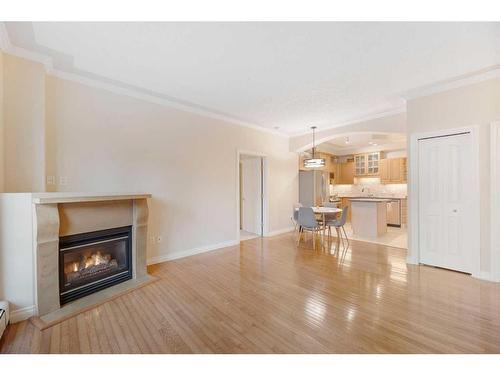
93, 261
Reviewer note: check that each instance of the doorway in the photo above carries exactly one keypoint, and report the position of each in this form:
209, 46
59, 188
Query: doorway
251, 194
447, 202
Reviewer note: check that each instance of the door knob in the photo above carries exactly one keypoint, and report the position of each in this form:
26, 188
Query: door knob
455, 210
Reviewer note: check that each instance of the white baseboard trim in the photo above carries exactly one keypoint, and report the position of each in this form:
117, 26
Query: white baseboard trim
411, 260
279, 231
485, 275
187, 253
204, 249
22, 314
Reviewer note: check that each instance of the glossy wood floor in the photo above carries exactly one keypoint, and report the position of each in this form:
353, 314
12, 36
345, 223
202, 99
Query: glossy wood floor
268, 296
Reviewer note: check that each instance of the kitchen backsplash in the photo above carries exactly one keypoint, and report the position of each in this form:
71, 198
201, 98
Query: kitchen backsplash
372, 186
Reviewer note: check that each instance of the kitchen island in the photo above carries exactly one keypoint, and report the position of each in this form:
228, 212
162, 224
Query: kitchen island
369, 216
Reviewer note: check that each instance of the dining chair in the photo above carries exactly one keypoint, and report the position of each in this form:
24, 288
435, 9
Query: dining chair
338, 224
295, 215
307, 222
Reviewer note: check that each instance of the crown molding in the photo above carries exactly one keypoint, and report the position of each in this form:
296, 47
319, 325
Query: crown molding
390, 112
136, 94
453, 83
4, 37
47, 62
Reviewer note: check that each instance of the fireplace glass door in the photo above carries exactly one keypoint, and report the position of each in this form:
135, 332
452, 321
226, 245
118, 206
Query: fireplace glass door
93, 261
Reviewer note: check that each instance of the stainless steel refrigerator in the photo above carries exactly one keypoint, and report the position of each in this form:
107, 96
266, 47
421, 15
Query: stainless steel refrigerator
314, 188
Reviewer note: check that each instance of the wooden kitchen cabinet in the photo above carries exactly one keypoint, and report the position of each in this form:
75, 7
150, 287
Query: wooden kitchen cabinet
393, 171
346, 173
384, 169
367, 164
393, 212
360, 164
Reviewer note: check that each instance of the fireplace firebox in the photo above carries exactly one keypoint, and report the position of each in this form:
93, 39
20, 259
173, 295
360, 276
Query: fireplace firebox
93, 261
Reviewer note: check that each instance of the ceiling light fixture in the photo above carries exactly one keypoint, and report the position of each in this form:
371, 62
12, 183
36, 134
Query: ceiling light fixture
314, 162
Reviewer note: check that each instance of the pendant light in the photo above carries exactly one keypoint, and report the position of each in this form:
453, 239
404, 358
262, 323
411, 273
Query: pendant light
314, 162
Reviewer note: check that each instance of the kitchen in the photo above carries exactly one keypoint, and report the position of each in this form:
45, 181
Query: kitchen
366, 173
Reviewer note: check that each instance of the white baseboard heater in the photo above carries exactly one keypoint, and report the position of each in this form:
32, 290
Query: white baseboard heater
4, 316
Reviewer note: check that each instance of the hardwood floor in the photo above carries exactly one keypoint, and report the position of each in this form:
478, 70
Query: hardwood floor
269, 296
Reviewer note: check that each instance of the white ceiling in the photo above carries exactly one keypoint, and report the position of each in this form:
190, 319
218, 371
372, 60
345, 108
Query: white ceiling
364, 142
363, 139
286, 75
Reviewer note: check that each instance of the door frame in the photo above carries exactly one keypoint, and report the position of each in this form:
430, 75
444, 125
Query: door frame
413, 256
264, 200
494, 274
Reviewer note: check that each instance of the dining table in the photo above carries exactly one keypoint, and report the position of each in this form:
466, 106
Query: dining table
323, 211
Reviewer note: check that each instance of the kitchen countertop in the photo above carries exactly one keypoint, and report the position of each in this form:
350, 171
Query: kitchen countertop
374, 197
374, 200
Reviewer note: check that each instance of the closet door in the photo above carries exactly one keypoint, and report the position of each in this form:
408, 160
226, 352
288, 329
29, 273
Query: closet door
445, 202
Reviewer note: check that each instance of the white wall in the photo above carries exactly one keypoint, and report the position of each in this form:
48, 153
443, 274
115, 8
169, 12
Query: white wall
476, 104
16, 256
102, 141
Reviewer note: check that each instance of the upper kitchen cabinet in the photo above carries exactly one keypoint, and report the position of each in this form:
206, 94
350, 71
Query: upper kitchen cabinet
345, 173
360, 164
367, 164
393, 171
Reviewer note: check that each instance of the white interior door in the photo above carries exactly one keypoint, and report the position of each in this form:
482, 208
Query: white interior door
445, 202
251, 195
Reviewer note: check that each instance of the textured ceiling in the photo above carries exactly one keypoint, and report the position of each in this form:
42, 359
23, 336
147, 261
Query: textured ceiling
363, 140
284, 75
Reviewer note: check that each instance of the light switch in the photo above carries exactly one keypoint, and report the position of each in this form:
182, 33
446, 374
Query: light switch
63, 180
51, 180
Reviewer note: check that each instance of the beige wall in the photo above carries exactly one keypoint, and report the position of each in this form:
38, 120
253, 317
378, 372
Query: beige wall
477, 104
1, 126
24, 121
395, 123
101, 141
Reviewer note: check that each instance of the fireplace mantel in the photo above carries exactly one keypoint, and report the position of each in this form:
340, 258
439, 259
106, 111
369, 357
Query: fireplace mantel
47, 198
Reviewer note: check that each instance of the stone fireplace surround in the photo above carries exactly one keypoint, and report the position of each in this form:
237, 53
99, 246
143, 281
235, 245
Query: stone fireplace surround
61, 214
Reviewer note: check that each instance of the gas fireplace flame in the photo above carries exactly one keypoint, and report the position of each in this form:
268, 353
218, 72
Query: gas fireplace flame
87, 262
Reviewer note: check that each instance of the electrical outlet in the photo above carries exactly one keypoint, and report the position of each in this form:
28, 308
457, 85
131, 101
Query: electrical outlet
51, 180
63, 180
